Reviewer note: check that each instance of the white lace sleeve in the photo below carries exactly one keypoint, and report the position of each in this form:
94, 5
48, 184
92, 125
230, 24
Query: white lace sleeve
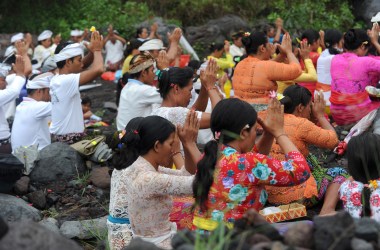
180, 172
167, 184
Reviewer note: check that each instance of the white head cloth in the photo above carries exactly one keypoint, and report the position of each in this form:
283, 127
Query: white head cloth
40, 82
46, 34
18, 36
153, 44
68, 52
75, 33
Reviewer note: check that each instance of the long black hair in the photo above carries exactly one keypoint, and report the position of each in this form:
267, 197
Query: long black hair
310, 35
140, 136
228, 118
173, 76
364, 162
293, 96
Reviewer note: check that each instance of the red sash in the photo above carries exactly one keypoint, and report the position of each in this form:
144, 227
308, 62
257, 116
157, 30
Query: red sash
348, 99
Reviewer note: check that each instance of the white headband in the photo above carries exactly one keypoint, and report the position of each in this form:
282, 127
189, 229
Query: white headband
68, 52
45, 35
18, 36
40, 82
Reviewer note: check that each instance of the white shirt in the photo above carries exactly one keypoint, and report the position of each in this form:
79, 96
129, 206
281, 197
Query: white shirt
31, 124
10, 107
7, 95
66, 113
176, 115
324, 66
114, 52
236, 51
136, 99
324, 73
41, 53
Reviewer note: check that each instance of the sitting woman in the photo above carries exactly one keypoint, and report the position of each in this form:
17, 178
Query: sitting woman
299, 109
141, 189
360, 194
350, 74
232, 174
334, 46
224, 63
175, 86
256, 75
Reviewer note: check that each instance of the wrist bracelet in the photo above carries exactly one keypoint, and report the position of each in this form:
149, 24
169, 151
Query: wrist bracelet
280, 136
211, 88
178, 152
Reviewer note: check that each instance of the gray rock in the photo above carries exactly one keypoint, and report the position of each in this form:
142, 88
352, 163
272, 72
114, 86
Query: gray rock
22, 185
359, 244
216, 30
139, 244
110, 105
100, 177
57, 161
84, 229
31, 236
365, 9
38, 199
300, 235
51, 224
333, 232
367, 229
16, 209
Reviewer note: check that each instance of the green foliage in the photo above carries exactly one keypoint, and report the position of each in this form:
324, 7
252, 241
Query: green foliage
62, 16
309, 14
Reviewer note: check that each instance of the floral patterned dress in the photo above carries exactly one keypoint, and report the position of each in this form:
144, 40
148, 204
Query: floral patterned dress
239, 181
351, 194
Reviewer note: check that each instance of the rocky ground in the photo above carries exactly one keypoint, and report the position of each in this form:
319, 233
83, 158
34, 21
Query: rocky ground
77, 207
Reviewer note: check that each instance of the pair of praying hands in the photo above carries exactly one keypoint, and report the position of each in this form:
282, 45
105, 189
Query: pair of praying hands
188, 133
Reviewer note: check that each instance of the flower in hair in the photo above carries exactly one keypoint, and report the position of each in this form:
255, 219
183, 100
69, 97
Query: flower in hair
304, 40
135, 132
373, 184
217, 135
247, 34
172, 85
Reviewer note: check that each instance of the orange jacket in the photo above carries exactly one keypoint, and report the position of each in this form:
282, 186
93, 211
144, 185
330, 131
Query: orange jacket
254, 78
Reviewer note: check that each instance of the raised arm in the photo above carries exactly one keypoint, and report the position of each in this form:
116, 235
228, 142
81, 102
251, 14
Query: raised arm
174, 42
14, 89
188, 135
310, 75
22, 50
97, 67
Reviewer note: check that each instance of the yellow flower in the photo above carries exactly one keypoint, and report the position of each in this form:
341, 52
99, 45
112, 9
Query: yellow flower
280, 96
92, 29
373, 184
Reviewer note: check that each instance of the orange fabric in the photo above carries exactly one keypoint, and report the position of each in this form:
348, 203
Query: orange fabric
323, 87
348, 99
254, 78
301, 132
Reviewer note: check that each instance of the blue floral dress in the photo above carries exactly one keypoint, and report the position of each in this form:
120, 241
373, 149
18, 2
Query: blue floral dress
239, 181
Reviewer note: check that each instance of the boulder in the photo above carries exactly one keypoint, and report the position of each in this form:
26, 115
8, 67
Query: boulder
22, 185
367, 229
100, 177
365, 9
16, 209
38, 199
333, 232
32, 236
359, 244
51, 224
57, 161
300, 235
84, 229
139, 244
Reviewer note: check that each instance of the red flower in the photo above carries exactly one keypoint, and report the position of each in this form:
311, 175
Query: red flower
355, 199
375, 200
344, 198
